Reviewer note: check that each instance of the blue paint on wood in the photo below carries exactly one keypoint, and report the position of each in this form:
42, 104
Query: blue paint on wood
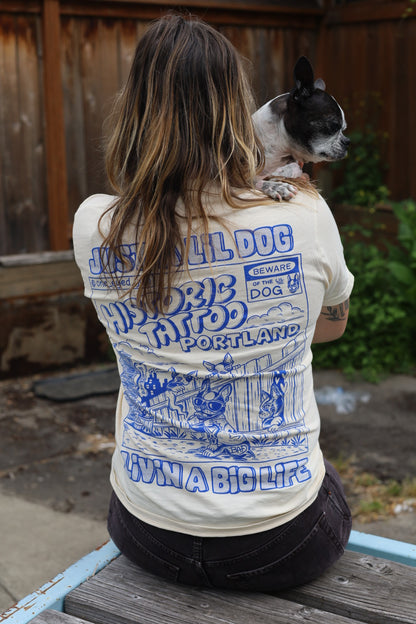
52, 594
383, 547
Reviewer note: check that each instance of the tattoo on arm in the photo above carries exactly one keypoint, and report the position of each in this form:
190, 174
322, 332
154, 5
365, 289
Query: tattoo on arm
338, 312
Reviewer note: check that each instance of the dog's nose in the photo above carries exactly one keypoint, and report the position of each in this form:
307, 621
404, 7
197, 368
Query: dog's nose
345, 141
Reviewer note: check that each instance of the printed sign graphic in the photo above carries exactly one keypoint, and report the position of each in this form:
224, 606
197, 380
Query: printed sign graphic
276, 279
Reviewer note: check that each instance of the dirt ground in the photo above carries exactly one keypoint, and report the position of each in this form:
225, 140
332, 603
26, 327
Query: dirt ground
59, 453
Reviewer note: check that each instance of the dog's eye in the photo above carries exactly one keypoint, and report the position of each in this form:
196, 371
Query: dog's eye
328, 125
215, 406
333, 128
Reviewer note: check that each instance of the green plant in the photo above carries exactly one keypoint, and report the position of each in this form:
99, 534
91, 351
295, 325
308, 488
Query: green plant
361, 179
370, 507
366, 479
381, 334
394, 488
402, 263
362, 171
408, 11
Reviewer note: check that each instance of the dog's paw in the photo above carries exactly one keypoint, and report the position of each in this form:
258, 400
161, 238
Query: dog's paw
277, 190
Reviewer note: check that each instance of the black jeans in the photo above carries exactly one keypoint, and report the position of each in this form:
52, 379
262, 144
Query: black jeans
289, 555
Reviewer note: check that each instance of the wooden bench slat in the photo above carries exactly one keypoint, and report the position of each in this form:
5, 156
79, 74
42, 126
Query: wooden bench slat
122, 593
56, 617
363, 587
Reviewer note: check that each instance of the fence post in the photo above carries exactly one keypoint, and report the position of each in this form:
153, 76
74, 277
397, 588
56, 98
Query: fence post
57, 185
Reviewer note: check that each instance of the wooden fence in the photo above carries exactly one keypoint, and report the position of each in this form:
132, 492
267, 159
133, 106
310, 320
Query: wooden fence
62, 62
367, 56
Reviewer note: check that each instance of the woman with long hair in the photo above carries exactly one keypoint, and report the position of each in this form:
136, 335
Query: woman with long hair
211, 295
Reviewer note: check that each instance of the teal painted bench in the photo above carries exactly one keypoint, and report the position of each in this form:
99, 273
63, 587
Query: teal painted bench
374, 582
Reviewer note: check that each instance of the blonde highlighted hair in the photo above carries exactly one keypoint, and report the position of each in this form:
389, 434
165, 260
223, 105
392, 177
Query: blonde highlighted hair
182, 121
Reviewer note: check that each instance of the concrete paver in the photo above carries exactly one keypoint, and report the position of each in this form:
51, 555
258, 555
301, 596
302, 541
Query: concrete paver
37, 543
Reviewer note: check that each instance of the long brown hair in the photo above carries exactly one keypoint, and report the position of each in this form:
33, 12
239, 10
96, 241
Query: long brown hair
182, 121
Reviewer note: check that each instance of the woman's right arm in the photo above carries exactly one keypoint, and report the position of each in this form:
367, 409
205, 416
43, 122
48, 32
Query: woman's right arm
331, 322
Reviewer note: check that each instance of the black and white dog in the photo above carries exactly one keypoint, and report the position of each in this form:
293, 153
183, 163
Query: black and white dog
304, 125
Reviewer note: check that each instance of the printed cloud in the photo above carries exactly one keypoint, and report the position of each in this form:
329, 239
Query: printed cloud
277, 314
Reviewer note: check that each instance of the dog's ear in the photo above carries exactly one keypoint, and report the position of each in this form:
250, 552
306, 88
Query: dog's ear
206, 386
304, 81
225, 392
319, 84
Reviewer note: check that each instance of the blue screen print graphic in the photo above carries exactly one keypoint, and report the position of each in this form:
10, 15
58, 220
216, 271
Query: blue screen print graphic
240, 413
269, 280
232, 412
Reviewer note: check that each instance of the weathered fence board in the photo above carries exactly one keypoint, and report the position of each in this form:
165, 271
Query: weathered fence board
370, 60
72, 84
22, 200
54, 127
272, 54
58, 275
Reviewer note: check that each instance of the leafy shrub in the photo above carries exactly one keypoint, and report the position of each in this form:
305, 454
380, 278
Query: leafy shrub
361, 179
381, 334
362, 171
402, 262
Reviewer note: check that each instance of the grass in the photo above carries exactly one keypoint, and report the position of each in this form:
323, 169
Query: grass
371, 498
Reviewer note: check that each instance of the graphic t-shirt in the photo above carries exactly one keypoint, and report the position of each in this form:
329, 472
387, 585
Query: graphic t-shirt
216, 423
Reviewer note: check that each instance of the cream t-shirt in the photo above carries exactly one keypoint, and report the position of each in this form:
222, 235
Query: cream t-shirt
216, 423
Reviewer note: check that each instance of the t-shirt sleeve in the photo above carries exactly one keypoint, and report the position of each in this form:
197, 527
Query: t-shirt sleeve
87, 238
338, 279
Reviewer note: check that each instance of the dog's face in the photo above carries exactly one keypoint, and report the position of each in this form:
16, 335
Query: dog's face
312, 119
211, 403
